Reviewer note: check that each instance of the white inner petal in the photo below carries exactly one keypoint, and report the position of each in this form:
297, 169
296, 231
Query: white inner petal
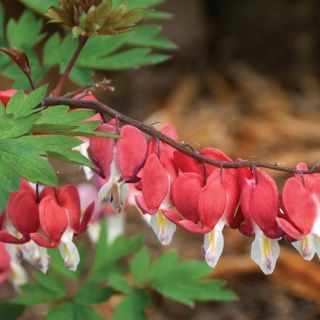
213, 244
162, 227
265, 251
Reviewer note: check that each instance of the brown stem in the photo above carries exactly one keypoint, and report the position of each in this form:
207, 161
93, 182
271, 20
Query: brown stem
59, 87
151, 131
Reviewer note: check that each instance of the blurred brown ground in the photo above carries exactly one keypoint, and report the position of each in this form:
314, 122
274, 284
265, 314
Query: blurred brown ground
245, 80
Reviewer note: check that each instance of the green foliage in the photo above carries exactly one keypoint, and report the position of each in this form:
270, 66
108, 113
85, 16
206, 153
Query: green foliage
72, 311
108, 52
10, 311
23, 154
105, 274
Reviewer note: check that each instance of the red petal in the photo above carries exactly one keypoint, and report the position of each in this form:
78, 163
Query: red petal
131, 151
259, 201
155, 183
46, 191
185, 195
6, 95
186, 163
86, 218
214, 154
43, 242
299, 205
212, 201
101, 150
143, 206
4, 258
68, 198
188, 225
230, 182
23, 212
290, 229
53, 219
8, 238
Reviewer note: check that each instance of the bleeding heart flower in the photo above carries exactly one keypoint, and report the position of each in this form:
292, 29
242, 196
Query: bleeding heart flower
59, 214
118, 161
21, 216
301, 218
206, 206
157, 177
259, 203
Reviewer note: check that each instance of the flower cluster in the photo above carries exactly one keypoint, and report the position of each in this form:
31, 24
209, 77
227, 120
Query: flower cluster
172, 189
34, 221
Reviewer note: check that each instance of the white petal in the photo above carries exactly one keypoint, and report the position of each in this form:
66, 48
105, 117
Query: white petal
94, 230
316, 242
305, 247
115, 226
37, 256
83, 149
213, 246
70, 255
265, 252
18, 275
15, 252
104, 192
163, 228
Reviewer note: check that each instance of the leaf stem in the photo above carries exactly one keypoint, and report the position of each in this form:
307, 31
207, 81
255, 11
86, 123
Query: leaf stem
59, 87
151, 131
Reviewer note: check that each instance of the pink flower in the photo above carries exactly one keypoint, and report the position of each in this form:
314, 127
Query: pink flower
206, 205
259, 203
301, 218
22, 215
157, 177
118, 161
59, 215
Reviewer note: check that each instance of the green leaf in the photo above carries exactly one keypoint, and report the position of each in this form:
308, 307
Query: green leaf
72, 311
10, 311
40, 6
25, 32
26, 163
119, 283
50, 282
21, 105
9, 182
37, 293
139, 265
12, 128
163, 265
187, 293
131, 58
92, 292
2, 41
132, 306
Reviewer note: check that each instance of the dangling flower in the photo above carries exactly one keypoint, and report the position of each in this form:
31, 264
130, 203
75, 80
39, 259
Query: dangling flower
118, 161
21, 217
301, 218
59, 213
115, 221
84, 146
259, 202
157, 177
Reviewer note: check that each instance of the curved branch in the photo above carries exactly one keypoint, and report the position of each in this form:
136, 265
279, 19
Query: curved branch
151, 131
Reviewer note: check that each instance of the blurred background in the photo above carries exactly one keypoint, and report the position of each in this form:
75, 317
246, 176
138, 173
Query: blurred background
245, 79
